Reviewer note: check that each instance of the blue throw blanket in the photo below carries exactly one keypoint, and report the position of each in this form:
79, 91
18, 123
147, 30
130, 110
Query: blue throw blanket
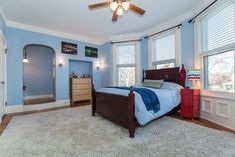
150, 98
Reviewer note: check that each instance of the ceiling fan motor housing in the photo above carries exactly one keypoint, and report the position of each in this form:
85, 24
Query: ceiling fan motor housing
119, 7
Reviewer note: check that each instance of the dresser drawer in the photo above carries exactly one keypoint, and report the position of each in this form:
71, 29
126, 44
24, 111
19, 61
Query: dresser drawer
84, 91
82, 86
82, 97
76, 81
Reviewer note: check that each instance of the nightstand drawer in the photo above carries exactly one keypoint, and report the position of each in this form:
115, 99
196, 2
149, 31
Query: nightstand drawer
187, 92
187, 102
186, 111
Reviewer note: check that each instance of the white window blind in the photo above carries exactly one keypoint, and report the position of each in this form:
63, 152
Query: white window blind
217, 28
164, 48
125, 54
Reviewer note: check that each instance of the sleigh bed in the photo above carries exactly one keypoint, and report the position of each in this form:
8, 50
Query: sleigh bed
120, 109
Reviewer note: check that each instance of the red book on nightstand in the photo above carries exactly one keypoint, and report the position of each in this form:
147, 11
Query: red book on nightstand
190, 103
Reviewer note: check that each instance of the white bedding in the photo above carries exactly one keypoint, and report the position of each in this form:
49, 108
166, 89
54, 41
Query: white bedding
168, 95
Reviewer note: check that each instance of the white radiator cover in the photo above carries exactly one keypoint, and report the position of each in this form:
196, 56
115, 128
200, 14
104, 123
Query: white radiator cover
218, 110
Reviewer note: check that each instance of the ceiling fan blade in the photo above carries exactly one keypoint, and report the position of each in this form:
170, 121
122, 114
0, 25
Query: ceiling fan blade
115, 16
103, 4
136, 9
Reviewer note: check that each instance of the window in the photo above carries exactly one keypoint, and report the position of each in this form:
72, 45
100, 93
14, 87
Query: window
164, 49
217, 48
125, 64
220, 72
126, 76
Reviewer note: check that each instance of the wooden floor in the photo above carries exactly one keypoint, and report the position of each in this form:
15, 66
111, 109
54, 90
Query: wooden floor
202, 122
7, 118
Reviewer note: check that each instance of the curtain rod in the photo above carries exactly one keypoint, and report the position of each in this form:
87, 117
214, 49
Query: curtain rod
125, 41
192, 20
179, 25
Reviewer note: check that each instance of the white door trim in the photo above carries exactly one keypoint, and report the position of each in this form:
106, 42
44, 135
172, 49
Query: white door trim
3, 71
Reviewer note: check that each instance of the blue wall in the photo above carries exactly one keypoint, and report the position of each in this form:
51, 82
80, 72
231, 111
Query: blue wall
2, 24
38, 73
80, 67
144, 54
106, 61
17, 39
187, 47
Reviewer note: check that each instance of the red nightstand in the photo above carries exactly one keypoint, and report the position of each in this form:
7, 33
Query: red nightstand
190, 103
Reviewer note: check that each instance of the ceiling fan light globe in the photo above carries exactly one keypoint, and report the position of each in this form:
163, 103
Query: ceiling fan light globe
119, 12
113, 6
125, 5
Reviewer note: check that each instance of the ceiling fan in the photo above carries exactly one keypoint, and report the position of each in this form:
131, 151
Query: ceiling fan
118, 7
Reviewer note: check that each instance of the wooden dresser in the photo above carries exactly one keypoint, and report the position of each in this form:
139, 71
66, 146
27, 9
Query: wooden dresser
80, 89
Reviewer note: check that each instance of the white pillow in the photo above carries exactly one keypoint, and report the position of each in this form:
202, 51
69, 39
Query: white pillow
171, 86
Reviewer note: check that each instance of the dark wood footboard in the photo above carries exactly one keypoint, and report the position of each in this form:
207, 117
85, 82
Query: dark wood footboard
116, 108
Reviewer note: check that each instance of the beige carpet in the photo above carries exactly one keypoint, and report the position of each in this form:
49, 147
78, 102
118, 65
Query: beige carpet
74, 133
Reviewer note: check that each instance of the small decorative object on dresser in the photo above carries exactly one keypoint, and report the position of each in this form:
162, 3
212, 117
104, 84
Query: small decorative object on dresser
190, 103
80, 89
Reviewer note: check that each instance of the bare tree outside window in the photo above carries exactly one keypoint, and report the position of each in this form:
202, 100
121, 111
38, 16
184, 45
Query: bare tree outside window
221, 72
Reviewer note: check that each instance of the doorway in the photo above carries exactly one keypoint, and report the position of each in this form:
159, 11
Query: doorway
3, 91
39, 74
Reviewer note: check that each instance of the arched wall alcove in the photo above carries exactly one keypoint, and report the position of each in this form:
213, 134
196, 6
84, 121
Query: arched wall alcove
39, 74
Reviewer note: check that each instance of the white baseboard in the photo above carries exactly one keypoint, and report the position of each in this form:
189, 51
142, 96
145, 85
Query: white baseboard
14, 109
39, 96
23, 108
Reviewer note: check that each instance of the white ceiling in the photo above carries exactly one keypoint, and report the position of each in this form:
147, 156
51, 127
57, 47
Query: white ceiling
74, 17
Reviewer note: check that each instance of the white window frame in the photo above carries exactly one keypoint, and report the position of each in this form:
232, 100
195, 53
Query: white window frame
199, 55
136, 65
177, 32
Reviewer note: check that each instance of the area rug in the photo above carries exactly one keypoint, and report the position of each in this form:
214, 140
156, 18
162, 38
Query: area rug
74, 133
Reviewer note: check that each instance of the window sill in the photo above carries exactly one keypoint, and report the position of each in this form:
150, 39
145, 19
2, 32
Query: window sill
221, 95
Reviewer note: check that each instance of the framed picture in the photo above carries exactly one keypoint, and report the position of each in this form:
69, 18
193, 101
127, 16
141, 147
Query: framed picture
69, 48
91, 52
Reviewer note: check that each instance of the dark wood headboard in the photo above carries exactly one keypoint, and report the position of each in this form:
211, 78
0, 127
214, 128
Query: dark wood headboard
169, 75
